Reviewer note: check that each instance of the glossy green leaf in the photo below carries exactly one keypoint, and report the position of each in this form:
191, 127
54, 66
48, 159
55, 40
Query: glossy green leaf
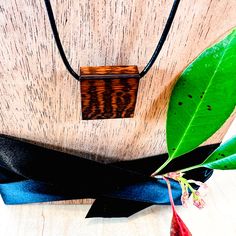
224, 157
203, 97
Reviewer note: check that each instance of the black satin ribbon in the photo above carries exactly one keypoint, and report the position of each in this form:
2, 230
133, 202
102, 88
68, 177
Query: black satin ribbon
30, 173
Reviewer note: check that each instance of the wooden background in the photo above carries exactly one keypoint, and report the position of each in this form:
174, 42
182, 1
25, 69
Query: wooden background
40, 101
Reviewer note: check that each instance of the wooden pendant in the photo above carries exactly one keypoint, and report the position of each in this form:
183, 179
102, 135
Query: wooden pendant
108, 92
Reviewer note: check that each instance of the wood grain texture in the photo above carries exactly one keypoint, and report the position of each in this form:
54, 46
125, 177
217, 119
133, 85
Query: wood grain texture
108, 92
40, 101
89, 72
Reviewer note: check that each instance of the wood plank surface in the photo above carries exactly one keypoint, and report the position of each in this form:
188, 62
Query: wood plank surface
40, 101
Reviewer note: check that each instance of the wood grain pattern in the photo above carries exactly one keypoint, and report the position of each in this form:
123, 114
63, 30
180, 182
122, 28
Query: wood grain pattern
89, 72
108, 92
40, 101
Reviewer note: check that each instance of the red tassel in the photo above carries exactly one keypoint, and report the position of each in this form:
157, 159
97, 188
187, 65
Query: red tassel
178, 227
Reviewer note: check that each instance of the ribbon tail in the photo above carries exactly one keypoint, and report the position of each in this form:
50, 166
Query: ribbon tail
111, 207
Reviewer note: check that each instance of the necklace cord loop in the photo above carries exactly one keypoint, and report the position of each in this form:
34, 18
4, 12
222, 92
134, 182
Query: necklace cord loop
162, 39
58, 41
146, 68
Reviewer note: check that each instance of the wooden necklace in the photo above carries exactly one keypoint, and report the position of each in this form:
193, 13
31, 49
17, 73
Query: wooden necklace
109, 92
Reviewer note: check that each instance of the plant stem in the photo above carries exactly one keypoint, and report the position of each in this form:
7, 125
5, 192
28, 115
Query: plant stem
161, 167
170, 193
185, 181
190, 168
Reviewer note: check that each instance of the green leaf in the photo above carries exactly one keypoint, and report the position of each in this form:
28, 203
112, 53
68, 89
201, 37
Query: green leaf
203, 97
223, 158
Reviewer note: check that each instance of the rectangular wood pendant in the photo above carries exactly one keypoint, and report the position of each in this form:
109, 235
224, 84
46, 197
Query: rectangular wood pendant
108, 92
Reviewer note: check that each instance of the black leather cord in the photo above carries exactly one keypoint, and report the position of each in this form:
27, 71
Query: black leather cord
149, 64
58, 41
162, 39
